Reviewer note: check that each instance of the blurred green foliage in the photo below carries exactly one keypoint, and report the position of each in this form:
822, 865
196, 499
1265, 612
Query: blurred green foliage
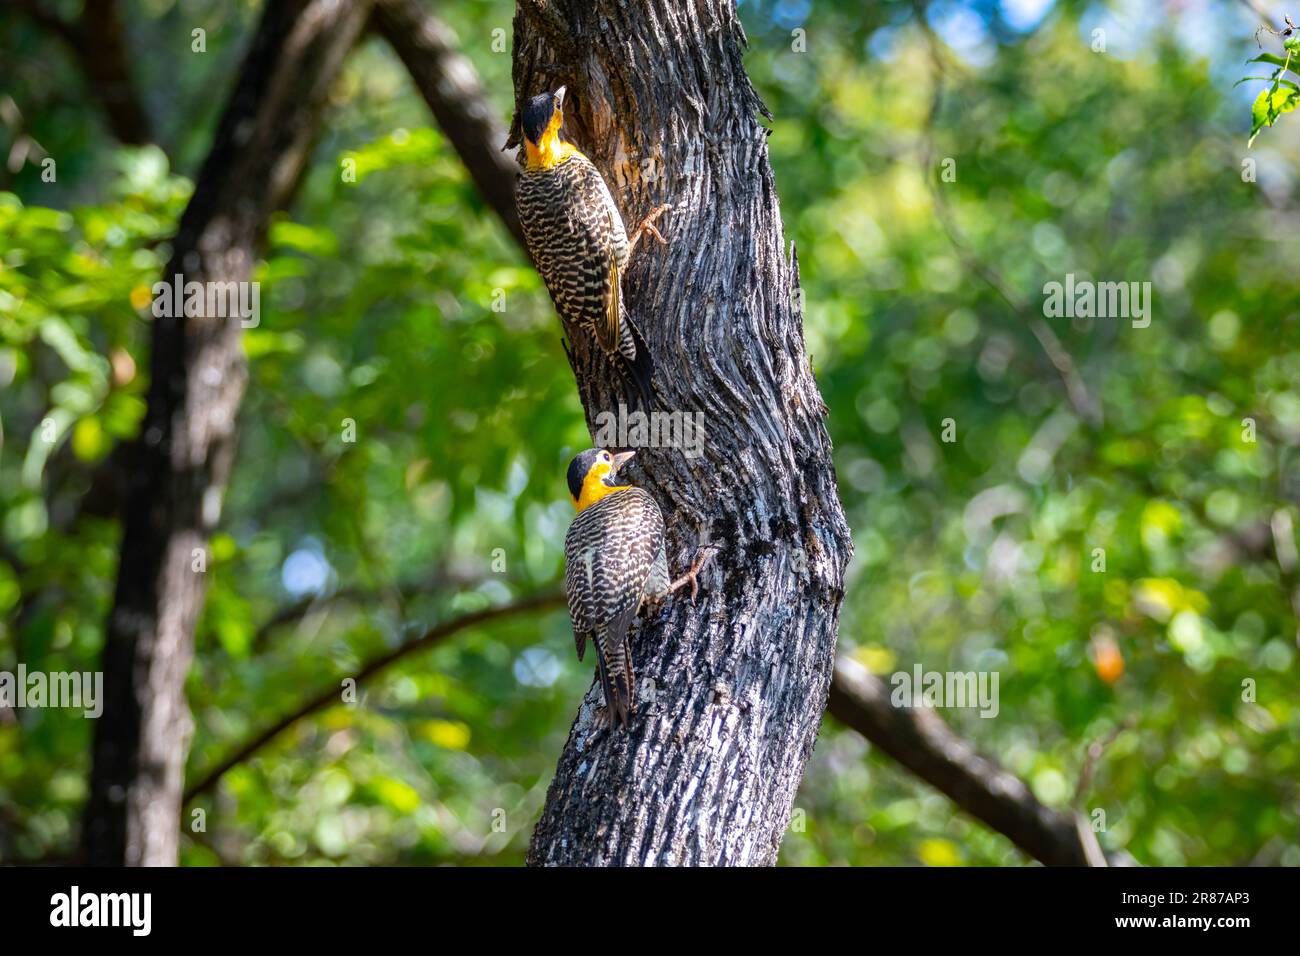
984, 553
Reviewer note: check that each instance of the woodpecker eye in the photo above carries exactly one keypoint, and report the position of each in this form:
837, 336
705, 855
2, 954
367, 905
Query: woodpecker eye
604, 456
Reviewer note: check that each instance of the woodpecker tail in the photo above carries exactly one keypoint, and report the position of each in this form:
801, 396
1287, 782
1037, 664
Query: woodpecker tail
615, 664
641, 368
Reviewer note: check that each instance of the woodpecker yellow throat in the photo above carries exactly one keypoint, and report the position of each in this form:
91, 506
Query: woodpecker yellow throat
550, 149
596, 482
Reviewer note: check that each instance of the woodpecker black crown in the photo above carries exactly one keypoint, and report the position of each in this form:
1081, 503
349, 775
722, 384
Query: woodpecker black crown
537, 115
578, 469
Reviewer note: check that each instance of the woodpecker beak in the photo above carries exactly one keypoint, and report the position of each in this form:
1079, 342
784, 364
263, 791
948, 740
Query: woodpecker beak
621, 459
559, 99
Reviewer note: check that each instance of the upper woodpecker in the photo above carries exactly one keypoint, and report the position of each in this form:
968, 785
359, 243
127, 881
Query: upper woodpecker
614, 561
577, 238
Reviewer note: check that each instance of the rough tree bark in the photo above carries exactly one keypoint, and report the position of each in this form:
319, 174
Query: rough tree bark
708, 771
183, 456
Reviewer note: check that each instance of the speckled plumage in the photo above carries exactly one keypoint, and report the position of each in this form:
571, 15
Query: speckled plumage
576, 236
614, 559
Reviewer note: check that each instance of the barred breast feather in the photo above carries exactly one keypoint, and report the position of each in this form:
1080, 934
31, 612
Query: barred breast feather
575, 232
614, 559
576, 236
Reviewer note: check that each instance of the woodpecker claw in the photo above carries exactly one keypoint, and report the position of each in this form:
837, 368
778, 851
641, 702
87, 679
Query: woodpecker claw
701, 559
648, 225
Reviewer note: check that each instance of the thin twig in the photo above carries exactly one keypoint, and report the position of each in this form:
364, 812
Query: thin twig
1092, 755
329, 695
1258, 10
1096, 856
356, 594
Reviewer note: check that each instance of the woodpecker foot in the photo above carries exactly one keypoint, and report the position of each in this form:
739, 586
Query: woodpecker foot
648, 225
701, 559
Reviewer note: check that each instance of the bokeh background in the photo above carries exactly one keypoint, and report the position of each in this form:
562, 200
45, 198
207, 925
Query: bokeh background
924, 303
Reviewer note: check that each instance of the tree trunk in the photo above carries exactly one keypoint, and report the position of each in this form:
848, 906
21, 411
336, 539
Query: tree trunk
731, 687
183, 456
98, 42
101, 47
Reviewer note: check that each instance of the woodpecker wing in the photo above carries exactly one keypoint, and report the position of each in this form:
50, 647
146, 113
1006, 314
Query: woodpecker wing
576, 237
613, 549
613, 308
609, 552
659, 580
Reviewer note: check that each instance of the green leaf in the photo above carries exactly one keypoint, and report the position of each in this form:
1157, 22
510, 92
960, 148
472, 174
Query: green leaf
89, 443
1269, 58
450, 734
38, 219
293, 235
1269, 105
402, 797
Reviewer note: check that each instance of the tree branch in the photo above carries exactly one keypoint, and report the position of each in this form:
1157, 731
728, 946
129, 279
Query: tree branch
919, 740
450, 86
328, 696
858, 700
98, 43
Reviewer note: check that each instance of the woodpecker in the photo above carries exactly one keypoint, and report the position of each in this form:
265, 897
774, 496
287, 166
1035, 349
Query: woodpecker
577, 238
614, 563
